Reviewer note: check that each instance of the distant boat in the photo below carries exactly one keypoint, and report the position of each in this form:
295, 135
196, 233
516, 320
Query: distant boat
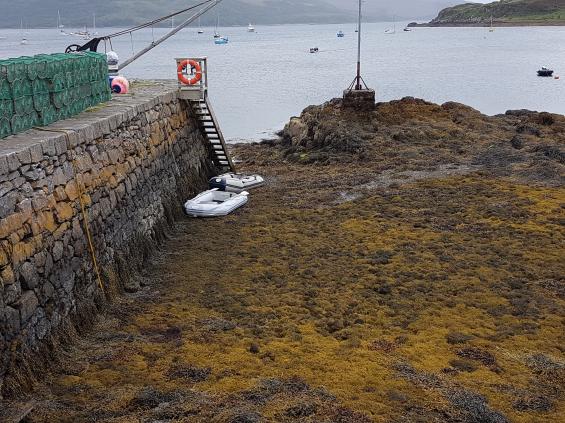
544, 71
60, 26
407, 29
216, 33
393, 30
200, 31
94, 32
86, 34
24, 39
340, 34
314, 50
491, 25
221, 40
250, 28
82, 34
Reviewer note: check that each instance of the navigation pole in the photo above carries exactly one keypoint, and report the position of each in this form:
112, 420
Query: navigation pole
358, 79
358, 95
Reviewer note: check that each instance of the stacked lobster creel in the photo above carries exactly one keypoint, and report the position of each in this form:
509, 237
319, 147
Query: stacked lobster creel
39, 90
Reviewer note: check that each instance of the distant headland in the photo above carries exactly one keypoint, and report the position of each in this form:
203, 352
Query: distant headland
501, 13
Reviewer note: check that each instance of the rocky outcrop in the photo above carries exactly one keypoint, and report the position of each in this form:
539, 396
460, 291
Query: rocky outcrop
524, 143
324, 132
103, 186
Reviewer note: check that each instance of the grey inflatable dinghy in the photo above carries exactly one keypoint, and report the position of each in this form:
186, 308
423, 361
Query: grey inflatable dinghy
233, 182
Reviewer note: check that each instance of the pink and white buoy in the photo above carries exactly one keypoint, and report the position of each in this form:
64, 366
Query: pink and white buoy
120, 85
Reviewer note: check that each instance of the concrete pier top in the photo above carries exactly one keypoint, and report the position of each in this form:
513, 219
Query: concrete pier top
92, 123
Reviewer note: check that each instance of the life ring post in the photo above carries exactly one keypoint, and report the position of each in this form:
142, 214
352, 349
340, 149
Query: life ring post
192, 76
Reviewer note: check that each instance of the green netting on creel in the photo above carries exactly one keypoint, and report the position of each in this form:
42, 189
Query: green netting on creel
39, 90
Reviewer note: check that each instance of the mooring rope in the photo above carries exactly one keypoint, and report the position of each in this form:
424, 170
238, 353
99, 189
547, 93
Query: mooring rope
80, 190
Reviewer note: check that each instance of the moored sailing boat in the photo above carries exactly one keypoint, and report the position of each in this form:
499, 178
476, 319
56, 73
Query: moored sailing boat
393, 30
216, 33
60, 26
24, 39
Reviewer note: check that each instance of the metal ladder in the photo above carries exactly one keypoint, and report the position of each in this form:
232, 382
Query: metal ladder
209, 127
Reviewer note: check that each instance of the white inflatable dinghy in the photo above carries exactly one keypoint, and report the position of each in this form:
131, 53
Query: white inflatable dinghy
215, 203
233, 182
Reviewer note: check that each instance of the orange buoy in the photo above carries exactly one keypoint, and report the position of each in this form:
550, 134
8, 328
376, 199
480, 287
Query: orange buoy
185, 64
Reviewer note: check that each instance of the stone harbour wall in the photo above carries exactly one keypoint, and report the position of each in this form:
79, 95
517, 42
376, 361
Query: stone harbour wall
131, 164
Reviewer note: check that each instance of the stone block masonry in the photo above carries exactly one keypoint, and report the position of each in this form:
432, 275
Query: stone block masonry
130, 165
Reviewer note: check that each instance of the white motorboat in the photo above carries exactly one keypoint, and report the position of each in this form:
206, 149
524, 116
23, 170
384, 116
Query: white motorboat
250, 28
233, 182
214, 203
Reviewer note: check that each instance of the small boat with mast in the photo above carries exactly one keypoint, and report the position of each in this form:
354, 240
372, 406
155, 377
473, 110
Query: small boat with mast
250, 28
219, 39
216, 33
392, 30
60, 25
94, 32
86, 34
23, 41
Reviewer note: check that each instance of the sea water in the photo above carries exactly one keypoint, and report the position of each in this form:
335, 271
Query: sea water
259, 80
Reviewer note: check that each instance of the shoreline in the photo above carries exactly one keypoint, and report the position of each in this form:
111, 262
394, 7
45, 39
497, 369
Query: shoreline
485, 24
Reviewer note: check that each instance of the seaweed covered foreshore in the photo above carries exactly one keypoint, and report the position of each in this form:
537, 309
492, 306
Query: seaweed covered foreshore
403, 264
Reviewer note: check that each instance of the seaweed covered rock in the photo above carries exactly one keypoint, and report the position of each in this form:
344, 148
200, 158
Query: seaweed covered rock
325, 132
415, 134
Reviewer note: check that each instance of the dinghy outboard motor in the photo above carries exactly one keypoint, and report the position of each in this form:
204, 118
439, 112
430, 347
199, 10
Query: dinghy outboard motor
219, 183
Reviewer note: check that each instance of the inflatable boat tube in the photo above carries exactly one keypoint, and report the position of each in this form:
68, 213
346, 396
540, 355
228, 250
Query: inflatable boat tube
232, 182
214, 203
